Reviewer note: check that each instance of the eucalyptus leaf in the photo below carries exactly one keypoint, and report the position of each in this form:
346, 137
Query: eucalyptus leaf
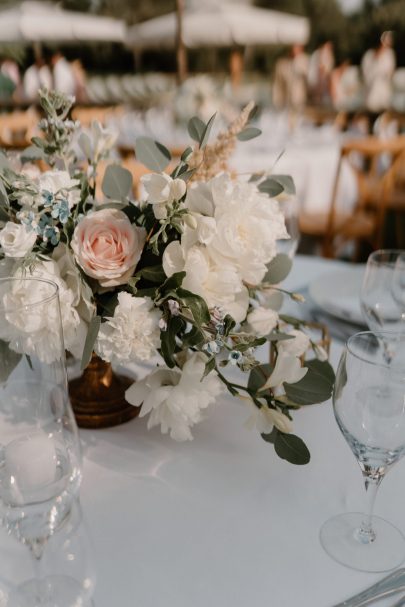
117, 182
271, 187
250, 132
258, 377
31, 153
186, 154
196, 128
287, 182
207, 131
3, 195
278, 269
196, 304
168, 340
152, 154
291, 448
91, 337
315, 387
209, 366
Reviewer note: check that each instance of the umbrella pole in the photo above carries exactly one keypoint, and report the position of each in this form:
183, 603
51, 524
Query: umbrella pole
181, 55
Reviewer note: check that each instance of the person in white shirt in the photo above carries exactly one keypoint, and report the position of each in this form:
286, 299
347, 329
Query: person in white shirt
378, 66
36, 76
63, 76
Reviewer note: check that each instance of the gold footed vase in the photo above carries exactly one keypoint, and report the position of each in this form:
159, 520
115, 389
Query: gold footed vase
98, 396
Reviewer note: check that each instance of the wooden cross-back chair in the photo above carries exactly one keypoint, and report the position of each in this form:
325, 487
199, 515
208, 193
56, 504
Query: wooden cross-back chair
374, 162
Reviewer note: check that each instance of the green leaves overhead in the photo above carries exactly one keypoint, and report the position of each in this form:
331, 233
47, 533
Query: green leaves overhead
250, 132
152, 154
315, 387
117, 182
278, 269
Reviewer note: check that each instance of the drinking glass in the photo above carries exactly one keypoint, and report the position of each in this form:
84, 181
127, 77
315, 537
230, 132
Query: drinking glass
380, 308
398, 283
40, 461
369, 406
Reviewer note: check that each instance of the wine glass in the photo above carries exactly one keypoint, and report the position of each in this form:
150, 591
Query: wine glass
398, 283
379, 306
40, 460
369, 406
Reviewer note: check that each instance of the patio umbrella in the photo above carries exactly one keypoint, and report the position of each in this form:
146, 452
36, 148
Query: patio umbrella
32, 21
224, 24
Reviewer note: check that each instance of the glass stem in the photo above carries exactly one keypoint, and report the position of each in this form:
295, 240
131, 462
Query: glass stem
36, 550
372, 479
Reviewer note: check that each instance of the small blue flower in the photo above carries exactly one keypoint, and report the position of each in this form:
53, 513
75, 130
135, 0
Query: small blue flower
51, 233
61, 210
212, 347
47, 198
235, 357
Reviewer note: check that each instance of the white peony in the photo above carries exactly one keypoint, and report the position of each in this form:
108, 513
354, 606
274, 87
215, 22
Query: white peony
162, 190
220, 286
262, 320
296, 346
176, 399
55, 181
16, 240
132, 334
36, 332
287, 369
248, 224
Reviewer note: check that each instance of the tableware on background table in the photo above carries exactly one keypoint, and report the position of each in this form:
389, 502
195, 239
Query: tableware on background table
389, 585
40, 460
338, 293
380, 308
369, 407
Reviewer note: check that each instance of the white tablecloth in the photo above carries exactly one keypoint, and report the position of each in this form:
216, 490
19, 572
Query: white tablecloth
221, 521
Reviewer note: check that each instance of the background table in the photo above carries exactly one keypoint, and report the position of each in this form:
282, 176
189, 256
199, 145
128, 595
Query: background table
221, 521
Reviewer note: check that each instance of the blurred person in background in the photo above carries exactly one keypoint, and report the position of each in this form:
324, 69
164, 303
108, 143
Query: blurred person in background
37, 76
290, 80
378, 66
79, 76
321, 65
63, 76
9, 69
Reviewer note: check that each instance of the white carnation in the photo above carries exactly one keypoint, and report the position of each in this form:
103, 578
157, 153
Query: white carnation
16, 240
176, 399
262, 320
132, 334
296, 346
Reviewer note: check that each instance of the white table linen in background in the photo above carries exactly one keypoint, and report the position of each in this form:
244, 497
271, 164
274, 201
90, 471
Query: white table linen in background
222, 521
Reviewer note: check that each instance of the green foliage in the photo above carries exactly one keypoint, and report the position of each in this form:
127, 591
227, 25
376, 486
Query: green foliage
315, 387
278, 269
249, 132
92, 332
152, 154
117, 182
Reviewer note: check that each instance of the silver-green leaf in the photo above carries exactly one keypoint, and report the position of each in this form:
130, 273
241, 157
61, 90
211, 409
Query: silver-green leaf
152, 154
117, 182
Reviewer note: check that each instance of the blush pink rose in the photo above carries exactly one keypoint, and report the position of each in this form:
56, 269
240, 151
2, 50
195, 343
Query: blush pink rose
107, 246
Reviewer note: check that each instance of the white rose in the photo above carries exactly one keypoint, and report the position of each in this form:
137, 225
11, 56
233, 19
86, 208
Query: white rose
296, 346
262, 320
176, 399
16, 240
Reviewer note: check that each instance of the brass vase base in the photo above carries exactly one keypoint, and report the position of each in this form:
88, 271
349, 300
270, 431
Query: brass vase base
98, 396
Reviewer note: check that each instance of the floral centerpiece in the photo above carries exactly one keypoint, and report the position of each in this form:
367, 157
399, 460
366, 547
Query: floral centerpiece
184, 278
